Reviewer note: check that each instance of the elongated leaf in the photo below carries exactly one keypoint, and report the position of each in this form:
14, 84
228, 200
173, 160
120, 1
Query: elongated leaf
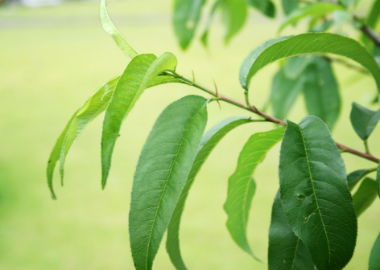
185, 20
294, 66
110, 28
286, 251
321, 92
365, 195
135, 79
251, 58
81, 118
313, 10
284, 93
265, 6
163, 167
363, 120
374, 14
354, 177
378, 180
241, 185
234, 15
208, 143
374, 259
289, 6
315, 195
308, 43
215, 7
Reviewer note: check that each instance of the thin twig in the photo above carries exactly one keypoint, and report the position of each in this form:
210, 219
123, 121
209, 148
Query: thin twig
264, 115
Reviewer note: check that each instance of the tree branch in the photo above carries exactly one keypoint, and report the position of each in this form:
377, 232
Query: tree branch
264, 115
370, 33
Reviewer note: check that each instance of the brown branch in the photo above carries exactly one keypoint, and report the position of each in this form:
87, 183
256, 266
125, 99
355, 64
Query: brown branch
369, 32
265, 116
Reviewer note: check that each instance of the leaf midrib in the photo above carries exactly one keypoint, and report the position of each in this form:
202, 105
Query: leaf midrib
315, 195
166, 183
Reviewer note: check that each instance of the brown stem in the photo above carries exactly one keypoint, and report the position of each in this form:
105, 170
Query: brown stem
264, 115
371, 34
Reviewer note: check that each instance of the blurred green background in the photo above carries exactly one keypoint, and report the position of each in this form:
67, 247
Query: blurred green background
52, 59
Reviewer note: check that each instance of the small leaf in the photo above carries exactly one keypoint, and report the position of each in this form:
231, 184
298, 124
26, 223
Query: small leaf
284, 93
215, 7
234, 15
365, 195
289, 6
315, 195
110, 28
208, 143
137, 76
265, 6
81, 118
363, 120
185, 20
313, 10
163, 167
275, 49
354, 177
286, 251
374, 259
321, 92
241, 185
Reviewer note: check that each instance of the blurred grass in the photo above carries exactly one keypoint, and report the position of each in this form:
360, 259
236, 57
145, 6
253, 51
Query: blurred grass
51, 60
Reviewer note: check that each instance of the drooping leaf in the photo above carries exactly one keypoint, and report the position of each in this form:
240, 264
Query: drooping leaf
322, 27
284, 93
313, 10
354, 177
208, 143
241, 185
110, 28
308, 43
363, 120
289, 6
294, 66
251, 58
137, 76
265, 6
374, 259
315, 195
234, 15
81, 118
286, 251
365, 195
163, 167
215, 7
185, 20
321, 91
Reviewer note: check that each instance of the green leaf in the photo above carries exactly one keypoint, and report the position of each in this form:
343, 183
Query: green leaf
284, 93
308, 43
110, 28
135, 79
215, 7
251, 58
289, 6
313, 10
265, 6
315, 195
241, 186
163, 167
374, 14
374, 259
286, 251
321, 92
234, 15
365, 195
208, 143
354, 177
185, 20
294, 66
363, 120
81, 118
378, 180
